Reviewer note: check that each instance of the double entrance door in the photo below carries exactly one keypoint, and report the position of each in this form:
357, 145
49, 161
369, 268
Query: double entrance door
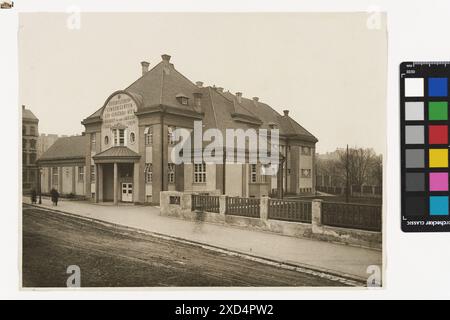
127, 192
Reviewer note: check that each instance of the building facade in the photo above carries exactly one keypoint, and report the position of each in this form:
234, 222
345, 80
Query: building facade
125, 152
30, 133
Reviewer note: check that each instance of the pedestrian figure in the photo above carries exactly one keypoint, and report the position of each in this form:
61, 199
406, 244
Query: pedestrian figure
55, 195
33, 196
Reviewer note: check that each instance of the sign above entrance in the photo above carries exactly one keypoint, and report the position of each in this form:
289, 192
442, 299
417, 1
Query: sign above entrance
120, 110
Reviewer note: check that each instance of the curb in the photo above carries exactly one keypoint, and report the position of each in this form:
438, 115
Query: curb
347, 279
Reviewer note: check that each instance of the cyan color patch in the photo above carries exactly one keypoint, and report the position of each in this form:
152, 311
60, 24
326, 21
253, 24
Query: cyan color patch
439, 205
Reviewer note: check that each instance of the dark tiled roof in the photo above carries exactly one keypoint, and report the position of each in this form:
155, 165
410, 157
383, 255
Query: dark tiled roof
28, 115
117, 152
66, 148
161, 85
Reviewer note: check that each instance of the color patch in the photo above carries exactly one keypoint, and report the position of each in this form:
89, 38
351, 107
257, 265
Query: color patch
414, 158
415, 206
437, 87
414, 134
438, 158
414, 111
414, 87
415, 181
439, 181
438, 205
438, 134
438, 110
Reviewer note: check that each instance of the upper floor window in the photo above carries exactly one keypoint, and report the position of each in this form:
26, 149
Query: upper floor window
171, 172
93, 141
199, 172
183, 99
132, 137
119, 137
24, 143
33, 144
171, 135
32, 130
32, 158
24, 130
306, 151
306, 173
148, 136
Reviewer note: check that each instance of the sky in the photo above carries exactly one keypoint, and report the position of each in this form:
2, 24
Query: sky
328, 69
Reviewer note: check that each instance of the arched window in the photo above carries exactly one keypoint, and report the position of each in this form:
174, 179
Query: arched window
106, 140
132, 137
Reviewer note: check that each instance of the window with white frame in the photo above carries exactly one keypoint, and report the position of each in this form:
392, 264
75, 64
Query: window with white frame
171, 172
55, 176
171, 135
253, 173
148, 136
80, 174
199, 172
119, 137
148, 173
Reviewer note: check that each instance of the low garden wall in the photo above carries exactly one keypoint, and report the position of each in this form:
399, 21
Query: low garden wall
352, 224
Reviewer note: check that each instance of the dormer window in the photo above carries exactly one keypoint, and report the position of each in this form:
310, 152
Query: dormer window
183, 99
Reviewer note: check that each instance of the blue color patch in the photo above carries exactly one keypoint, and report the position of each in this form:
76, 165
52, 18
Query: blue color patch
439, 205
437, 87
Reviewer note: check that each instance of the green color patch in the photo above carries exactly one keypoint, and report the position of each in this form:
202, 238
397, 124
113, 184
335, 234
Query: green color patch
438, 110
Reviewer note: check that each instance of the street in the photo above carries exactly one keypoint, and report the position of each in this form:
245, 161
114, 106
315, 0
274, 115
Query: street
116, 257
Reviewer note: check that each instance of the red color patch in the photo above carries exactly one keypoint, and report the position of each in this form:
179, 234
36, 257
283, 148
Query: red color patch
438, 134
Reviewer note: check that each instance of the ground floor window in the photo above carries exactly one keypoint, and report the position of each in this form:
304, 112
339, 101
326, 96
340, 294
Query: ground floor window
80, 174
199, 172
92, 174
171, 172
148, 173
55, 176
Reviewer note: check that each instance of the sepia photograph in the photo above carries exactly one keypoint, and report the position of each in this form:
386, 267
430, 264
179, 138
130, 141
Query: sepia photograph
202, 149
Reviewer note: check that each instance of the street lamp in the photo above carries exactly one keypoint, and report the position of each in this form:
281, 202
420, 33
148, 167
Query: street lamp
39, 179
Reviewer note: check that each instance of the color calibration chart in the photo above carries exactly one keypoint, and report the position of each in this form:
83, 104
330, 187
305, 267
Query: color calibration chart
424, 114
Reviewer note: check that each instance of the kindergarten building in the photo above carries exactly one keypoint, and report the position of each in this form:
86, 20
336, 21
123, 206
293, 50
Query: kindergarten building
124, 153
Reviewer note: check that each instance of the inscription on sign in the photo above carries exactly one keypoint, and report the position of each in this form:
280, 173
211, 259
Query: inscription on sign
119, 110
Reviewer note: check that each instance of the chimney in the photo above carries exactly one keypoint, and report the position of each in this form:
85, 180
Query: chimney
286, 113
199, 84
239, 96
219, 89
198, 99
166, 58
144, 65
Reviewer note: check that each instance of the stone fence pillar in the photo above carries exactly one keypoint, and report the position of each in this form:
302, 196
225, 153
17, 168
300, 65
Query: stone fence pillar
316, 216
264, 208
186, 201
222, 204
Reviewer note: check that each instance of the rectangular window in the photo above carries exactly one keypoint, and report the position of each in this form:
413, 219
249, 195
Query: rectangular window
24, 158
32, 130
122, 137
55, 176
148, 173
253, 173
32, 158
80, 174
306, 151
171, 172
306, 173
24, 130
148, 136
199, 172
92, 174
170, 135
93, 142
24, 143
32, 144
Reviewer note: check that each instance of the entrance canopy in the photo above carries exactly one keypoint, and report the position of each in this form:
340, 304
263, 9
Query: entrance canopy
119, 154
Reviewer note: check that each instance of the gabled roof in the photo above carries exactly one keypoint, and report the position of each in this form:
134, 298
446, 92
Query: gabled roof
66, 148
117, 152
28, 115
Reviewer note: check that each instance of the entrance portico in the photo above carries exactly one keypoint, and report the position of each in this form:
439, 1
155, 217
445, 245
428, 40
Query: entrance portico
117, 172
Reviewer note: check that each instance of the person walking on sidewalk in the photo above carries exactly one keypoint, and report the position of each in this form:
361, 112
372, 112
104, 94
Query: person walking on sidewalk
55, 195
33, 196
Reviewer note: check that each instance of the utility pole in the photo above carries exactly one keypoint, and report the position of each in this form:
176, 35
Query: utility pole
347, 187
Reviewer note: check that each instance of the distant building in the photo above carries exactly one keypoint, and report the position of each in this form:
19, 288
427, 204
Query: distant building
45, 141
124, 154
29, 150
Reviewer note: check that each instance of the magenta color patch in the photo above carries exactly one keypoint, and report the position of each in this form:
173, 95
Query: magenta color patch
438, 181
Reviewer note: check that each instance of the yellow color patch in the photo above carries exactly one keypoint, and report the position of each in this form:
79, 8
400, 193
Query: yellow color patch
438, 158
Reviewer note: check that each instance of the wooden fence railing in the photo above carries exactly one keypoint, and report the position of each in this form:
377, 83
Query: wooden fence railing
355, 216
205, 203
290, 210
246, 207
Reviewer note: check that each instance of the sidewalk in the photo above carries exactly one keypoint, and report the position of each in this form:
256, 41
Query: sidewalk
337, 258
